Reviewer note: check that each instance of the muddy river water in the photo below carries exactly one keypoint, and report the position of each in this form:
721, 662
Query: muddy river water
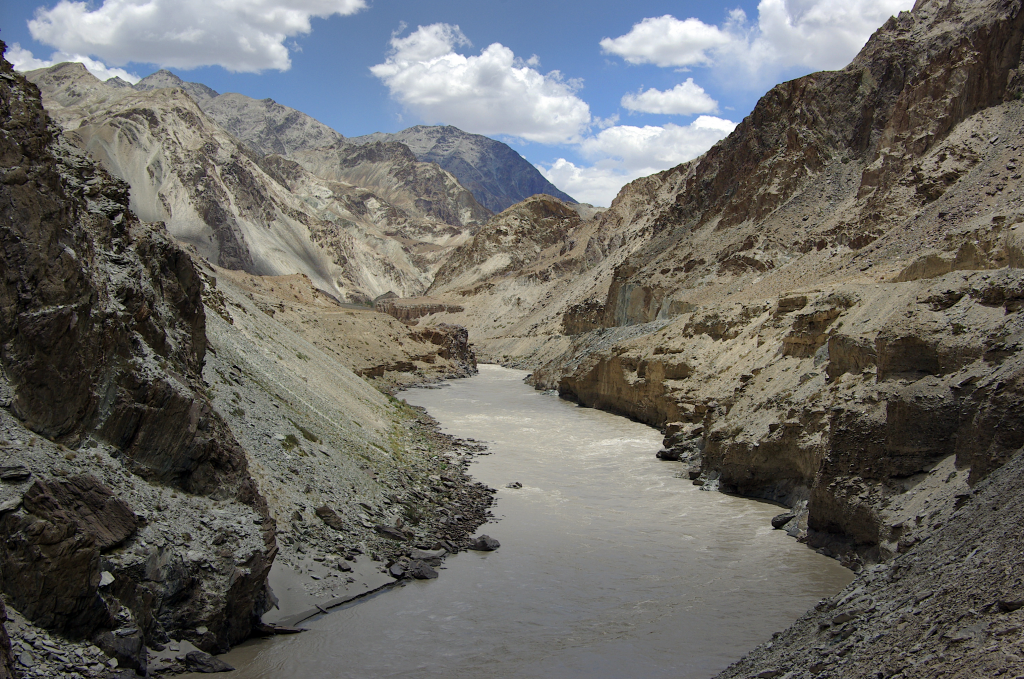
610, 566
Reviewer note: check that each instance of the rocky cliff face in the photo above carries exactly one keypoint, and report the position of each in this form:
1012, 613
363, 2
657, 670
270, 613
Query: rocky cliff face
950, 607
498, 176
821, 311
105, 413
842, 171
794, 359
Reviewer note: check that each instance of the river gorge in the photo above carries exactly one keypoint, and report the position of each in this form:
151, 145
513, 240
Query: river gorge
610, 564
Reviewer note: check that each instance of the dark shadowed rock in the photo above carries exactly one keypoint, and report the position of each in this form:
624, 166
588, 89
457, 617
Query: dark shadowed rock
484, 543
86, 502
127, 646
330, 517
17, 472
421, 571
389, 532
781, 520
51, 560
7, 661
197, 661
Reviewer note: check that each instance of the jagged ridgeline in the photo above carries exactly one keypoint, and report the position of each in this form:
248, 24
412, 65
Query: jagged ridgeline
263, 188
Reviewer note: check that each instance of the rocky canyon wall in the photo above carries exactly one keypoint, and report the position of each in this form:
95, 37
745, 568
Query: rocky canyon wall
111, 447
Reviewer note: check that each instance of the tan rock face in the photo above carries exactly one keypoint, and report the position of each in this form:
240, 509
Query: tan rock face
884, 383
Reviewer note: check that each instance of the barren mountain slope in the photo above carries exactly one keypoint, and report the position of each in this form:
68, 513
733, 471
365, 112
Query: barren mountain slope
498, 176
263, 124
241, 210
824, 309
151, 402
393, 173
389, 170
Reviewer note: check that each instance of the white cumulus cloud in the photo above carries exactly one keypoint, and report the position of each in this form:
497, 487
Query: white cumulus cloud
23, 60
596, 185
656, 147
667, 41
684, 99
247, 36
814, 34
623, 153
491, 93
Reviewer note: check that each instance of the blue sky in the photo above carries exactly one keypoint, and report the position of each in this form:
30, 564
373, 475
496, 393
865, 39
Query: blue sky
595, 93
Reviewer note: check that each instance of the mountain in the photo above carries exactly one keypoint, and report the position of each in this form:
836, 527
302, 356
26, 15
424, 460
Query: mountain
498, 176
263, 124
163, 79
260, 213
824, 310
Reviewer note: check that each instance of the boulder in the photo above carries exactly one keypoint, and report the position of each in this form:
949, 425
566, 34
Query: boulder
420, 570
330, 517
389, 532
484, 543
780, 521
14, 473
198, 661
126, 646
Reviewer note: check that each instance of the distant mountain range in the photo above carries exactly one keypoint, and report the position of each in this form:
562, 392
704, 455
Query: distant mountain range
494, 173
259, 187
497, 175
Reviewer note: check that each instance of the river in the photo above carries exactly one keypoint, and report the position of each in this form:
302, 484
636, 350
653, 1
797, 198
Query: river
610, 566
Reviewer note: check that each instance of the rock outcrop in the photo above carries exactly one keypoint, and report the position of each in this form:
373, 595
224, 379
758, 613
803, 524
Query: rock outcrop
950, 607
498, 176
411, 310
103, 341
